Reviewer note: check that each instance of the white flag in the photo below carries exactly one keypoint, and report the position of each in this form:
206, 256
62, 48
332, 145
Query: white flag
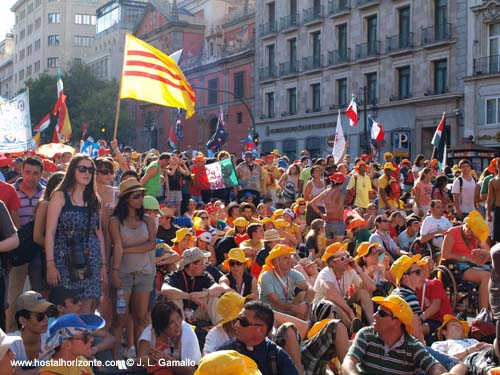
339, 143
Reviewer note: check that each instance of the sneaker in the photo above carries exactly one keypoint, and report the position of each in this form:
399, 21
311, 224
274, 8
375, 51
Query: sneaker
130, 352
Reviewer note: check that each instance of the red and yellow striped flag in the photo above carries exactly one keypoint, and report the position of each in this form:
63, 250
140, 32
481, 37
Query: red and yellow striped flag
152, 76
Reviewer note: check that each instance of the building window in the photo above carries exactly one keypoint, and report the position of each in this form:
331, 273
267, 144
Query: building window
292, 101
371, 23
30, 8
371, 88
492, 111
404, 82
292, 54
37, 66
293, 7
342, 92
30, 29
440, 76
54, 18
85, 19
53, 40
313, 145
21, 54
239, 84
83, 41
271, 12
316, 97
22, 34
37, 44
38, 23
213, 85
316, 48
270, 104
29, 50
52, 62
342, 41
290, 149
38, 3
21, 74
404, 27
239, 117
270, 59
441, 18
267, 147
28, 71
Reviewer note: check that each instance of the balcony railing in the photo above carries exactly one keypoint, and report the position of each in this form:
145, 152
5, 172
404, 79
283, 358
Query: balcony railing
361, 3
267, 72
340, 56
487, 65
444, 90
312, 62
399, 42
268, 28
313, 14
289, 68
338, 6
289, 21
365, 50
435, 34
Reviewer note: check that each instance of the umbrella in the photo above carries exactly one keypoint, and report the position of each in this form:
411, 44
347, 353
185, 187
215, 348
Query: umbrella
5, 161
50, 149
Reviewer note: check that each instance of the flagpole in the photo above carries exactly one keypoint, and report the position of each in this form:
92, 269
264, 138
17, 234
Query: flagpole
120, 90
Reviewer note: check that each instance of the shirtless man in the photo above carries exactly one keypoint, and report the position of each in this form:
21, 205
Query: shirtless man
493, 201
333, 199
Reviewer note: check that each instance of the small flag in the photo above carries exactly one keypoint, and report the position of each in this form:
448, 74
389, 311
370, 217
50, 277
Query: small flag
248, 144
339, 142
376, 130
152, 76
62, 131
220, 135
222, 174
173, 137
436, 139
439, 142
352, 113
43, 124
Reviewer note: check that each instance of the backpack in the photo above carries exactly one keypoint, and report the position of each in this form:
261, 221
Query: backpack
409, 179
393, 190
27, 248
483, 327
351, 193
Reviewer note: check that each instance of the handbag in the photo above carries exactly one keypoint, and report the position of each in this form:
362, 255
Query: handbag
27, 248
351, 193
483, 328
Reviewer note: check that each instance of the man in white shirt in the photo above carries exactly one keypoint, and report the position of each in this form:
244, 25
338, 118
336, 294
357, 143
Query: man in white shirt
435, 225
463, 190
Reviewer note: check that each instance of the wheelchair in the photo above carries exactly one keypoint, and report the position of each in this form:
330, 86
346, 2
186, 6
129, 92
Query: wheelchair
463, 295
425, 249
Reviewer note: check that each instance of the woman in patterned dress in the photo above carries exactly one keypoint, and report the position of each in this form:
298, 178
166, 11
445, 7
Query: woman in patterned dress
73, 213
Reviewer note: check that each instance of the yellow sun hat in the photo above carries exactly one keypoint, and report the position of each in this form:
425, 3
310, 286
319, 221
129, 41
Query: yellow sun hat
241, 222
364, 248
477, 225
448, 318
403, 264
399, 308
229, 307
227, 362
277, 251
238, 255
180, 234
333, 249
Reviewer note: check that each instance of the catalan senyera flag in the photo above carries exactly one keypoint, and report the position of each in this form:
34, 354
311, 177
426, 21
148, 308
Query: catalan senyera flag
152, 76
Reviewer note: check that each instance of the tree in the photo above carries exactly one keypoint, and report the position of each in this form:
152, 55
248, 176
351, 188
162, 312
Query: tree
89, 100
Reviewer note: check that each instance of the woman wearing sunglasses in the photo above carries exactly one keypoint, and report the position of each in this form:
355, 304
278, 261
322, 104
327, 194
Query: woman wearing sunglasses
74, 241
133, 234
238, 278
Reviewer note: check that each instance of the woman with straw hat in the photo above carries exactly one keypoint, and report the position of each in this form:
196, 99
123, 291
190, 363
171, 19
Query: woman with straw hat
238, 278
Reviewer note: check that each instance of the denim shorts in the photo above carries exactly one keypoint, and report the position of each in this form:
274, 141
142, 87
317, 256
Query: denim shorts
464, 266
137, 282
334, 228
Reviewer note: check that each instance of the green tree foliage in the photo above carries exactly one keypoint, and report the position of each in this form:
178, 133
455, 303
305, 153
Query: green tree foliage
88, 99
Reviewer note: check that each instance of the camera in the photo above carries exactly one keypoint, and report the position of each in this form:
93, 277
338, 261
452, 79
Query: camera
77, 259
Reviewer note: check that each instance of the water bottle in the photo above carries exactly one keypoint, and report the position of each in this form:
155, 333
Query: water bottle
121, 304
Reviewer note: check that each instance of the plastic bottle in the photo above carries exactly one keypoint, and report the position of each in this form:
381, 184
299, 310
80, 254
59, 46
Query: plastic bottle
121, 304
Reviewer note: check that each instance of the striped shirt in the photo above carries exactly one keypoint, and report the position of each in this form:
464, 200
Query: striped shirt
28, 204
409, 296
376, 358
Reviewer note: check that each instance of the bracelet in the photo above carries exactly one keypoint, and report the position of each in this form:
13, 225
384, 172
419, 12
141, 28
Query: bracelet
463, 258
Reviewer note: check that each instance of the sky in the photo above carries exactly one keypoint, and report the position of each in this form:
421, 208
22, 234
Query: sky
6, 17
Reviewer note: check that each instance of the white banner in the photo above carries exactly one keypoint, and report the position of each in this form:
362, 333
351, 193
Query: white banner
15, 125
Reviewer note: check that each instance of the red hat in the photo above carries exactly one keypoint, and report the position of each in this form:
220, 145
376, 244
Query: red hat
49, 166
365, 156
360, 163
337, 178
210, 207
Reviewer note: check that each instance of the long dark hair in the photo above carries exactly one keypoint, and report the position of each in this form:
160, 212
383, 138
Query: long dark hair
121, 209
160, 315
52, 183
69, 181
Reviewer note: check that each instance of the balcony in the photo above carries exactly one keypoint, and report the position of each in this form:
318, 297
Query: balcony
399, 42
395, 98
436, 34
289, 22
337, 57
268, 29
440, 91
313, 14
366, 50
361, 4
487, 65
312, 62
266, 73
337, 7
289, 68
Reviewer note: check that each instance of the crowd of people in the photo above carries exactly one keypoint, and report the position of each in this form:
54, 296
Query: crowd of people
305, 267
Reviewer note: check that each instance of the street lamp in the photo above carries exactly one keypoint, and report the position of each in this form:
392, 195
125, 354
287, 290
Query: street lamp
365, 140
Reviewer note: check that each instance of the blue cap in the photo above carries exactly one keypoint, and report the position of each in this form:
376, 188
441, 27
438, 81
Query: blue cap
89, 322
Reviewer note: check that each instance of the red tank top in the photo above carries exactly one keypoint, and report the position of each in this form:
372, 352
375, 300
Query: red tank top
461, 247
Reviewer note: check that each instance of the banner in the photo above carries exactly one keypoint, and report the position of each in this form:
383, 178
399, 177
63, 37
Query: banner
221, 174
15, 125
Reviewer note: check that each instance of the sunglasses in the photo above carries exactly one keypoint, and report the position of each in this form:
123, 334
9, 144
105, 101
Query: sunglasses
204, 217
85, 338
105, 171
137, 195
83, 169
418, 272
384, 221
40, 316
384, 314
233, 263
302, 204
245, 323
342, 258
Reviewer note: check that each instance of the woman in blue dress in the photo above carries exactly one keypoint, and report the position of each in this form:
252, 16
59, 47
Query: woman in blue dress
74, 242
